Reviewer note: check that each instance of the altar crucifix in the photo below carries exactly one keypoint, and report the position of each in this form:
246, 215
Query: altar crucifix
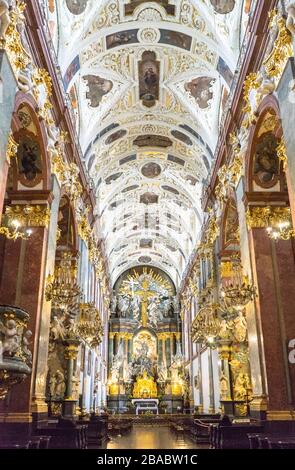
145, 294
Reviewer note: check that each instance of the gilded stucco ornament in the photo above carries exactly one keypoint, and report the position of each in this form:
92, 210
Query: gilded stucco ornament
235, 169
282, 49
275, 219
282, 153
12, 146
29, 215
11, 39
251, 85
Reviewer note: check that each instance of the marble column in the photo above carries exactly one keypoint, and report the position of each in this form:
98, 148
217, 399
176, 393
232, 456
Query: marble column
172, 349
160, 351
211, 383
168, 352
111, 349
130, 352
256, 351
69, 403
286, 97
201, 396
22, 284
275, 278
7, 99
39, 407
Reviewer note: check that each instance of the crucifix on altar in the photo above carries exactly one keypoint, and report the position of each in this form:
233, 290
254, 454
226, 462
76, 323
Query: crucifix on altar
144, 294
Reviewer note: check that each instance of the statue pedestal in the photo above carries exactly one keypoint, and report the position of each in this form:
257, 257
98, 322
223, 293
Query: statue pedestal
69, 409
237, 408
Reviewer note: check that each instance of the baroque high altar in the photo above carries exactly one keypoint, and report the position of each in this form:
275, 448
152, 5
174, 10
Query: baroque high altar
145, 359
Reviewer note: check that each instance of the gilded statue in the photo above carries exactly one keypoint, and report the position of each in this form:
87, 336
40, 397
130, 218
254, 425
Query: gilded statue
224, 386
242, 386
225, 329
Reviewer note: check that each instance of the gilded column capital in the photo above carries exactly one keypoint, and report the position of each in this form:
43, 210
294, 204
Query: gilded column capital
71, 352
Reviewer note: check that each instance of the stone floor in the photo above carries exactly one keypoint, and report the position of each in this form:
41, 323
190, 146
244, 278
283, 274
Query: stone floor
151, 437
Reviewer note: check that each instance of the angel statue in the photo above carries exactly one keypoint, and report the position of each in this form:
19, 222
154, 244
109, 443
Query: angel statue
153, 311
4, 18
135, 307
123, 305
12, 338
57, 329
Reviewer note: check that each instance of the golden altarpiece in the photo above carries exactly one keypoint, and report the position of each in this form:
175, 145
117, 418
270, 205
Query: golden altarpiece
145, 359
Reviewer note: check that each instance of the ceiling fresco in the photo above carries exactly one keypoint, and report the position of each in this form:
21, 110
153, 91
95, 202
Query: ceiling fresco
147, 82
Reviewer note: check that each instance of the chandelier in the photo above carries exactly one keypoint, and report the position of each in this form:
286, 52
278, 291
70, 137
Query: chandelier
206, 325
62, 288
282, 232
278, 223
89, 327
238, 292
15, 228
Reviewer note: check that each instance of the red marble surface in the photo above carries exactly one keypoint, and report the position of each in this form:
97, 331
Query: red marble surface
286, 268
270, 293
31, 294
4, 166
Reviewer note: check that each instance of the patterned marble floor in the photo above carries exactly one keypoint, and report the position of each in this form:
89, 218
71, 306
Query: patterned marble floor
150, 437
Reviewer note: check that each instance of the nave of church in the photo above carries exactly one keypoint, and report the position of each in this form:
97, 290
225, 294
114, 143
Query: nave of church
147, 248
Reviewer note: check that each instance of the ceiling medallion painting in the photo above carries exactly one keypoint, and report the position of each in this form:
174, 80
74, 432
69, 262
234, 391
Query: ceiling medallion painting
116, 136
182, 137
174, 38
201, 89
223, 6
122, 38
153, 141
149, 198
149, 72
151, 170
77, 7
98, 88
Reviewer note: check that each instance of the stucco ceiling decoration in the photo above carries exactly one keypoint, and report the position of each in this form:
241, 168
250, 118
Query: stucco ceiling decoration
148, 81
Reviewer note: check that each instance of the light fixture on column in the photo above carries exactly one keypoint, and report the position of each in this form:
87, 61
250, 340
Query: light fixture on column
279, 224
206, 325
89, 326
14, 227
238, 292
62, 287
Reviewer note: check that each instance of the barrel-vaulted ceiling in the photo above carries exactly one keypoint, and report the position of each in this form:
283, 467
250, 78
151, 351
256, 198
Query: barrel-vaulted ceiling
148, 82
